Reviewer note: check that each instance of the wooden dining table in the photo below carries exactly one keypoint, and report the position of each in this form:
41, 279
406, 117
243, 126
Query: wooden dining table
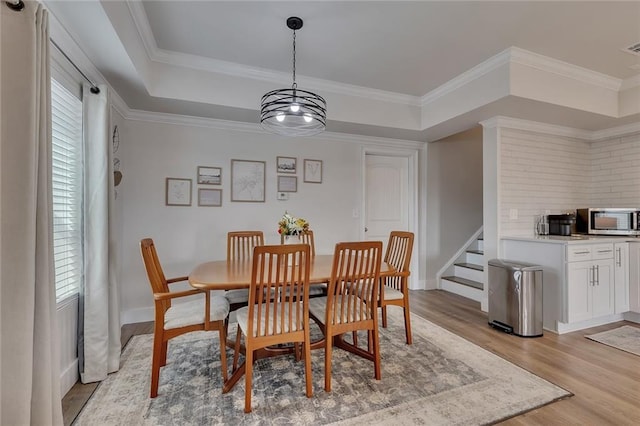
232, 275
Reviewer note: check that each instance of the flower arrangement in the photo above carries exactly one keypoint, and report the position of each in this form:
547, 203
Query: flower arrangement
290, 225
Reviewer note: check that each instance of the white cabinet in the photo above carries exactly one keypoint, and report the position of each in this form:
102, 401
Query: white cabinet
634, 277
621, 277
590, 283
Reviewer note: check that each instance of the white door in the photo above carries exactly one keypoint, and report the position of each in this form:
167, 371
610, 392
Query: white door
386, 196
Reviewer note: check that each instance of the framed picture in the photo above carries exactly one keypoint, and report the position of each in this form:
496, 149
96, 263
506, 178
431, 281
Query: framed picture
209, 197
178, 192
287, 184
209, 175
313, 171
286, 164
247, 180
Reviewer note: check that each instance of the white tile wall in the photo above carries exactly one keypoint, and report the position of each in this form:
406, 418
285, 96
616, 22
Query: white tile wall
546, 173
540, 173
615, 172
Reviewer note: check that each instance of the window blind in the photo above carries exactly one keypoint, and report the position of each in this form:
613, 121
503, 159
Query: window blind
66, 122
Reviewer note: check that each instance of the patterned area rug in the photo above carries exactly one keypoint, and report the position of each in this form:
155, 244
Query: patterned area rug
625, 338
440, 379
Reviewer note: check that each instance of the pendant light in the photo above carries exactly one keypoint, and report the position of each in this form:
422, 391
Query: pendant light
293, 112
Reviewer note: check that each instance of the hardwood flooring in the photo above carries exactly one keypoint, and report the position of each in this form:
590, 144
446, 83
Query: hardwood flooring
605, 381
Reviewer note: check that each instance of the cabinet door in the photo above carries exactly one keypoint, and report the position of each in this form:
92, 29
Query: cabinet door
603, 289
580, 277
621, 278
634, 277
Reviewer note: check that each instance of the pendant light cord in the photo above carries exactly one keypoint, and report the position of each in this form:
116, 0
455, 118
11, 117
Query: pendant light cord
294, 85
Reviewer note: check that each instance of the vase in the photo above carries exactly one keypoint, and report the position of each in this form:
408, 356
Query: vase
291, 239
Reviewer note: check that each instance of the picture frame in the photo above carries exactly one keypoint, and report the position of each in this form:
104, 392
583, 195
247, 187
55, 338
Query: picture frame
312, 171
177, 191
287, 184
209, 197
286, 164
209, 175
248, 181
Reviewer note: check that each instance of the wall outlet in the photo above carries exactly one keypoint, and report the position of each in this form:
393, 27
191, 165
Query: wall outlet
513, 214
282, 196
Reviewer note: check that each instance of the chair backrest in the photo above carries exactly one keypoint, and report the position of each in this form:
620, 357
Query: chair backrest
306, 237
399, 249
279, 296
154, 270
240, 244
352, 295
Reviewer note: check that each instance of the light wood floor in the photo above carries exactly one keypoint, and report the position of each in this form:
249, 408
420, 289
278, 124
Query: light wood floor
605, 381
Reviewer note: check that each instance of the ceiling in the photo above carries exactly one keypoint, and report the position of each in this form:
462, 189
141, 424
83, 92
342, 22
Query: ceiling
398, 50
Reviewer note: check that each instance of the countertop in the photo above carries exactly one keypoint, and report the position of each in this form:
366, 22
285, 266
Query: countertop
574, 239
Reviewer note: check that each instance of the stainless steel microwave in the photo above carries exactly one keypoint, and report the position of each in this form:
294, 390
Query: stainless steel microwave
608, 221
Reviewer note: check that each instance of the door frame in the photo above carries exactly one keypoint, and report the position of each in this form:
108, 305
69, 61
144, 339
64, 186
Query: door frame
412, 155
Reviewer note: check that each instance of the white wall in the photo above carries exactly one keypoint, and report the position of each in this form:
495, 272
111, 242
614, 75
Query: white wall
186, 236
540, 173
615, 172
454, 196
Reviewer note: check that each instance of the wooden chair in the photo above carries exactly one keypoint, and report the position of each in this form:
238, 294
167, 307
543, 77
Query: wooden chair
240, 246
207, 313
306, 237
351, 303
272, 318
394, 290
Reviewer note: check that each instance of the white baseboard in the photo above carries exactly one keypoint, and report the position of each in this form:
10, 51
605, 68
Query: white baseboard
137, 315
69, 377
632, 316
564, 327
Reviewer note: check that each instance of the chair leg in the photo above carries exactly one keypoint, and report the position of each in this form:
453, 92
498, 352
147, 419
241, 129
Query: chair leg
223, 351
354, 337
307, 363
327, 362
163, 354
248, 372
155, 364
384, 317
236, 352
407, 322
376, 354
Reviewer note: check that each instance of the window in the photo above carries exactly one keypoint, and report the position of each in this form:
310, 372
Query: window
66, 121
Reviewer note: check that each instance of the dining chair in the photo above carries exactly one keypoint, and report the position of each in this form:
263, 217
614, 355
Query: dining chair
240, 246
394, 289
351, 303
271, 317
306, 237
172, 320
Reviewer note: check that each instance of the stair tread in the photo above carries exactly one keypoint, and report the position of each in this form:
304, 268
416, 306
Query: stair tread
470, 266
476, 252
464, 281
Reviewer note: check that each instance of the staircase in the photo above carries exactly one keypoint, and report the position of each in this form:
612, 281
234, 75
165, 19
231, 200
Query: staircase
465, 275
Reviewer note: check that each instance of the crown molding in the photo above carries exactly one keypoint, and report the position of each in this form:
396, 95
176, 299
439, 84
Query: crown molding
213, 123
630, 83
615, 132
565, 69
535, 126
141, 22
467, 77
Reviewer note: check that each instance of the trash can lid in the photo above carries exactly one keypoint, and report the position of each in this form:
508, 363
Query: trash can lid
514, 264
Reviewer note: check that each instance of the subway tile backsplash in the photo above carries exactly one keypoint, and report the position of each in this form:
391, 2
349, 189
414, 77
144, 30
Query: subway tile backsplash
553, 174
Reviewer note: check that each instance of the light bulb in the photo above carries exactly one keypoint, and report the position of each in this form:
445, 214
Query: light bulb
307, 117
280, 116
295, 107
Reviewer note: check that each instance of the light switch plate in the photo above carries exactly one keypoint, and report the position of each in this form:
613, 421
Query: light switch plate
513, 214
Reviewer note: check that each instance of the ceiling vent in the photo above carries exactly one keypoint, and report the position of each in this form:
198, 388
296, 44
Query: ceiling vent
633, 49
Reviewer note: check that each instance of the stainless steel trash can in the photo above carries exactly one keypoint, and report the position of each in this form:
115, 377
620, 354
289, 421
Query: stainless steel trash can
515, 297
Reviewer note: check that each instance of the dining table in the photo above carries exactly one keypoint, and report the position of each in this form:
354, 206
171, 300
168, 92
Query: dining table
236, 274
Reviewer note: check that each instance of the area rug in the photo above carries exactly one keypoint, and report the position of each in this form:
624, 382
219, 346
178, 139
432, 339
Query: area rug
625, 338
440, 379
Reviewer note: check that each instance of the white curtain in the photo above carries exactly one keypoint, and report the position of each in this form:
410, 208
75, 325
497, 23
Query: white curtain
99, 322
30, 366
